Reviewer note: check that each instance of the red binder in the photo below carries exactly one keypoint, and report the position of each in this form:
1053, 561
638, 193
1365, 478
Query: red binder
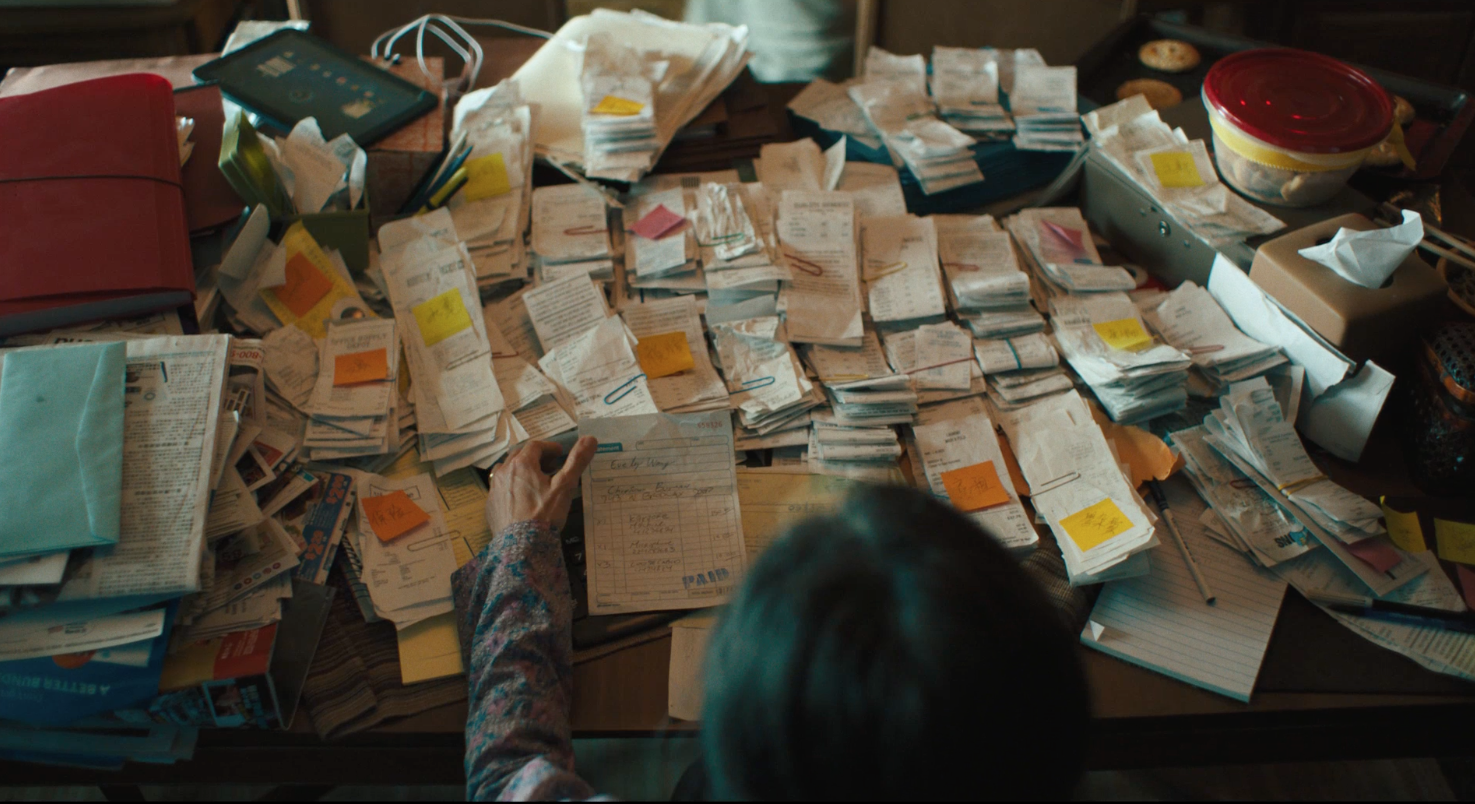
92, 221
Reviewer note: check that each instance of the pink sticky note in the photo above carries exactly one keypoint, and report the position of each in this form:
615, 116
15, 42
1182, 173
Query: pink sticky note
1467, 584
658, 223
1375, 553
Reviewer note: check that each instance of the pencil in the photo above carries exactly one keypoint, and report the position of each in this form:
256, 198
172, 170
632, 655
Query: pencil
1198, 576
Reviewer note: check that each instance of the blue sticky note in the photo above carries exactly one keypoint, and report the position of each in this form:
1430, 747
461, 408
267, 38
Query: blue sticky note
61, 447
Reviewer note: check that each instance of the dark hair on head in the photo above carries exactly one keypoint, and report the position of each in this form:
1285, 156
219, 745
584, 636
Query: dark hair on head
893, 650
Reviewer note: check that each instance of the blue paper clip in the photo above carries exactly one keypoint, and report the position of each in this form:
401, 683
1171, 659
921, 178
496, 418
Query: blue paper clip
628, 386
758, 382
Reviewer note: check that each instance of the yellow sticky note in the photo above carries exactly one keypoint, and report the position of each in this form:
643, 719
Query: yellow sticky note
1404, 529
357, 367
1123, 333
1176, 169
1093, 525
486, 176
664, 354
973, 488
441, 317
612, 104
1456, 541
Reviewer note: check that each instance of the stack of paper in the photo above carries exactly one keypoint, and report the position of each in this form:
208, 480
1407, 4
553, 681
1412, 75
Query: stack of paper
491, 211
353, 400
899, 111
1021, 370
531, 398
700, 61
937, 358
734, 230
1240, 514
1192, 321
458, 406
1043, 102
767, 384
833, 443
988, 290
659, 245
881, 65
831, 108
1175, 170
570, 229
862, 387
903, 284
673, 354
816, 235
965, 84
1103, 528
1250, 431
964, 465
1058, 250
597, 370
619, 84
405, 549
1103, 338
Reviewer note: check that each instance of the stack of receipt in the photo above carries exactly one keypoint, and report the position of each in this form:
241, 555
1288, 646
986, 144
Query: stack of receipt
830, 107
965, 84
765, 380
353, 402
407, 572
1103, 338
898, 109
690, 390
1190, 320
1058, 251
660, 249
1250, 431
1175, 170
989, 292
939, 360
961, 456
734, 231
1021, 369
862, 387
1102, 526
1043, 102
491, 212
832, 443
619, 105
903, 284
532, 399
571, 231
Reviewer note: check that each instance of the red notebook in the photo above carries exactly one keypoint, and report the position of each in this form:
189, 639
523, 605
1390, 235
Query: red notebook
92, 221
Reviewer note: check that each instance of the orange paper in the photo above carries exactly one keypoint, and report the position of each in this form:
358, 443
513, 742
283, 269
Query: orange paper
1145, 454
393, 515
370, 366
1016, 475
973, 488
305, 285
664, 354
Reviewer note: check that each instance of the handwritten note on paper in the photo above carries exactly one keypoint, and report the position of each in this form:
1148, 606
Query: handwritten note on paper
1456, 541
973, 488
665, 354
393, 515
1176, 169
623, 107
1404, 529
305, 285
1124, 333
486, 176
369, 366
1095, 524
661, 513
441, 316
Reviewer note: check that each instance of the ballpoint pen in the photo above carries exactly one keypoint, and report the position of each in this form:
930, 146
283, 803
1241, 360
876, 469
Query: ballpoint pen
1162, 504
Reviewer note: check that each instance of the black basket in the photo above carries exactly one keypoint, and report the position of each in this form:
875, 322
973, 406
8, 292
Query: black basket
1439, 420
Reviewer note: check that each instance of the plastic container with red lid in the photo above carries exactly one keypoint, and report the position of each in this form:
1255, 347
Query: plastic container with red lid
1291, 126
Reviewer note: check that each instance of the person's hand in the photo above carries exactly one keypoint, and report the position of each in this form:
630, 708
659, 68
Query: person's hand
522, 490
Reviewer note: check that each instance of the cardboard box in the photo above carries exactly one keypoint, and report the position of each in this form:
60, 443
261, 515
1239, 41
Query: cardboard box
398, 162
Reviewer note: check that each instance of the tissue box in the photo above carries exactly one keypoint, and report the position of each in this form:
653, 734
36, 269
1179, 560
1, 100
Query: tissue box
1364, 323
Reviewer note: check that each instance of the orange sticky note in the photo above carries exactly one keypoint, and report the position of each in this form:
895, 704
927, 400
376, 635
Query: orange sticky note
1123, 333
1176, 169
1095, 524
664, 354
611, 104
393, 515
486, 176
370, 366
305, 285
973, 488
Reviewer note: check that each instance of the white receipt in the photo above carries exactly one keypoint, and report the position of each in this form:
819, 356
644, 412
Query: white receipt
956, 443
902, 279
601, 373
817, 232
569, 224
697, 384
661, 513
563, 310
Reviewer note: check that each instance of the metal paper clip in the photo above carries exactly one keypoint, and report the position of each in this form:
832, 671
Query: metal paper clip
1056, 483
887, 270
814, 269
584, 230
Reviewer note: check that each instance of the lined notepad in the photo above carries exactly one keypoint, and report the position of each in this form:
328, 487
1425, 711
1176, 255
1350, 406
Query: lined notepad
1160, 622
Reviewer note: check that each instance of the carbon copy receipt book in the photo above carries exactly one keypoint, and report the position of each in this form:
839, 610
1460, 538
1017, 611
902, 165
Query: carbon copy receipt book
661, 520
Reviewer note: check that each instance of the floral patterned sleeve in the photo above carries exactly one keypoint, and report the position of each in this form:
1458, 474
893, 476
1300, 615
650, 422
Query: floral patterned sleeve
516, 619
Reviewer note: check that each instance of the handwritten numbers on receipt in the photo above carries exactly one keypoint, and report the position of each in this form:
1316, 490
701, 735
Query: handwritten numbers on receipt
973, 488
665, 354
441, 317
1095, 524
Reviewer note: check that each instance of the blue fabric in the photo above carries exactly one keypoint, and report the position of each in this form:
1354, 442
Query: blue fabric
61, 447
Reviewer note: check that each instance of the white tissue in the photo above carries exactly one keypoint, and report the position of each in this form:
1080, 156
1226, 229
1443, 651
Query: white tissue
1369, 258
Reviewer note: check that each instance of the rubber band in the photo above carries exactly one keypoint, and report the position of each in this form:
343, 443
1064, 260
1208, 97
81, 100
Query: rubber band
1019, 364
583, 230
800, 262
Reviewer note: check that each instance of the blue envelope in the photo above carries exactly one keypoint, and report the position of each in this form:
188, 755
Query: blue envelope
61, 447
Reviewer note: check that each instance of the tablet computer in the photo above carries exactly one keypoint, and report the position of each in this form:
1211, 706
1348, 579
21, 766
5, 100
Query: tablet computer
292, 74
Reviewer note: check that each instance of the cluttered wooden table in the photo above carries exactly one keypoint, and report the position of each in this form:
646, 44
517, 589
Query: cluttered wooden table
383, 701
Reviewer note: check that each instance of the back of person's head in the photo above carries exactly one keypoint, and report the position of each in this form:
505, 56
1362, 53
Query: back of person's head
893, 650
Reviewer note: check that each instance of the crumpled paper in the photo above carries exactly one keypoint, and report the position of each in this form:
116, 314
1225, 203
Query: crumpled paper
1369, 258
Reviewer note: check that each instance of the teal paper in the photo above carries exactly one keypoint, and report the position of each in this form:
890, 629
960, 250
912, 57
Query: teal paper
61, 447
